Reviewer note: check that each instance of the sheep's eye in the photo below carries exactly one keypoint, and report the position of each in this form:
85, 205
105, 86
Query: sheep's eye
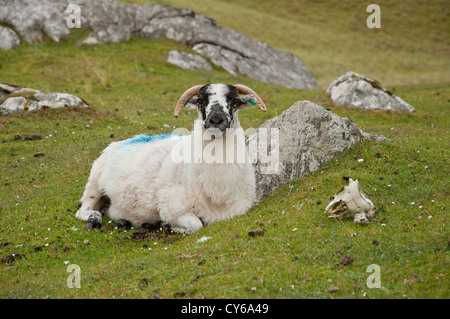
199, 102
235, 103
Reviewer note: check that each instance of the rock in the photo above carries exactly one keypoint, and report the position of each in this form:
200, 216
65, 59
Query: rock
234, 51
188, 61
333, 289
112, 22
15, 99
6, 89
14, 105
8, 39
355, 90
304, 137
31, 18
57, 100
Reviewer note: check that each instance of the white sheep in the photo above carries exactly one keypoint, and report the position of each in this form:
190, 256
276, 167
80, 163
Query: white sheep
142, 180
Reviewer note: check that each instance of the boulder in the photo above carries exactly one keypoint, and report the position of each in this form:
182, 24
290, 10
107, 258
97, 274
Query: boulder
234, 51
188, 61
15, 99
355, 90
8, 39
112, 22
298, 141
31, 18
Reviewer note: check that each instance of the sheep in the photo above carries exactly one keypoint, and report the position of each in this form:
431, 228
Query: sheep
142, 181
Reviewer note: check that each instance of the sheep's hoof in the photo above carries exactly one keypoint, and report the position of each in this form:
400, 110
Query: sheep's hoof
94, 221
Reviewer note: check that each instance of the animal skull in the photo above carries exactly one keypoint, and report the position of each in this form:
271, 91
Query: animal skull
351, 203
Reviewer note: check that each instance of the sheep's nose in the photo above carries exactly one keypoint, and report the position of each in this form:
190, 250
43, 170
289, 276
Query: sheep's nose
216, 120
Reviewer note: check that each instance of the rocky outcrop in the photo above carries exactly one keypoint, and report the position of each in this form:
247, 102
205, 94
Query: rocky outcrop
15, 99
355, 90
32, 18
188, 61
114, 22
231, 50
298, 141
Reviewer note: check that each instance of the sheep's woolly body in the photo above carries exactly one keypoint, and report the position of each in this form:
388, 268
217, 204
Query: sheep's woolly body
144, 184
149, 186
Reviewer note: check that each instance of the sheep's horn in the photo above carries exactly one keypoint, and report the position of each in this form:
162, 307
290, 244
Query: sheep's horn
185, 97
242, 89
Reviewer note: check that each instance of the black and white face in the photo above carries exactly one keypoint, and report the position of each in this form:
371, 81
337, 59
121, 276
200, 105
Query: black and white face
217, 105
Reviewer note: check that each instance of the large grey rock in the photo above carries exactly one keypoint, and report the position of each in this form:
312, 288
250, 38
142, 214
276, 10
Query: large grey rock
110, 21
8, 39
234, 51
355, 90
308, 136
114, 22
15, 99
31, 18
187, 61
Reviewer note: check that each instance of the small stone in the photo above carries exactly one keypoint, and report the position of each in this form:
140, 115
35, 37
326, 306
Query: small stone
333, 289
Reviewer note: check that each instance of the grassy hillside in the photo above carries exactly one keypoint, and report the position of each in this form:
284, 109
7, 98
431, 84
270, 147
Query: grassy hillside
132, 90
331, 37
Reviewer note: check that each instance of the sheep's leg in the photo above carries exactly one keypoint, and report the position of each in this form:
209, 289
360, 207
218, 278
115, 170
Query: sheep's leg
92, 217
185, 224
93, 204
94, 220
179, 214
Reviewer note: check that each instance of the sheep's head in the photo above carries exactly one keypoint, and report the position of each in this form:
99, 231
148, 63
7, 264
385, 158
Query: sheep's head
217, 104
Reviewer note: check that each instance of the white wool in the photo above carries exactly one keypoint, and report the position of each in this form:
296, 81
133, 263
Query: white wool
145, 184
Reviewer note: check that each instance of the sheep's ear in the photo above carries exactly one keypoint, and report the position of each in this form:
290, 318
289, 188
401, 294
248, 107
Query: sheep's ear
246, 101
192, 103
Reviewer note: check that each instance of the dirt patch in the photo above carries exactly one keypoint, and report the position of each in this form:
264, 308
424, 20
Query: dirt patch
154, 232
188, 256
255, 233
11, 257
346, 260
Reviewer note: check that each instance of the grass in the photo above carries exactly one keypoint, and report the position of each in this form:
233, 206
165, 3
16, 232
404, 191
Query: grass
132, 90
331, 37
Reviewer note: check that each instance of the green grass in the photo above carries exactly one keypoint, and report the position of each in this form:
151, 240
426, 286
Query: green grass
331, 37
130, 87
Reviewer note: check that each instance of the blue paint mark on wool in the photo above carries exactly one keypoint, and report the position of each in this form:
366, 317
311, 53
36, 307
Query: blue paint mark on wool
140, 139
